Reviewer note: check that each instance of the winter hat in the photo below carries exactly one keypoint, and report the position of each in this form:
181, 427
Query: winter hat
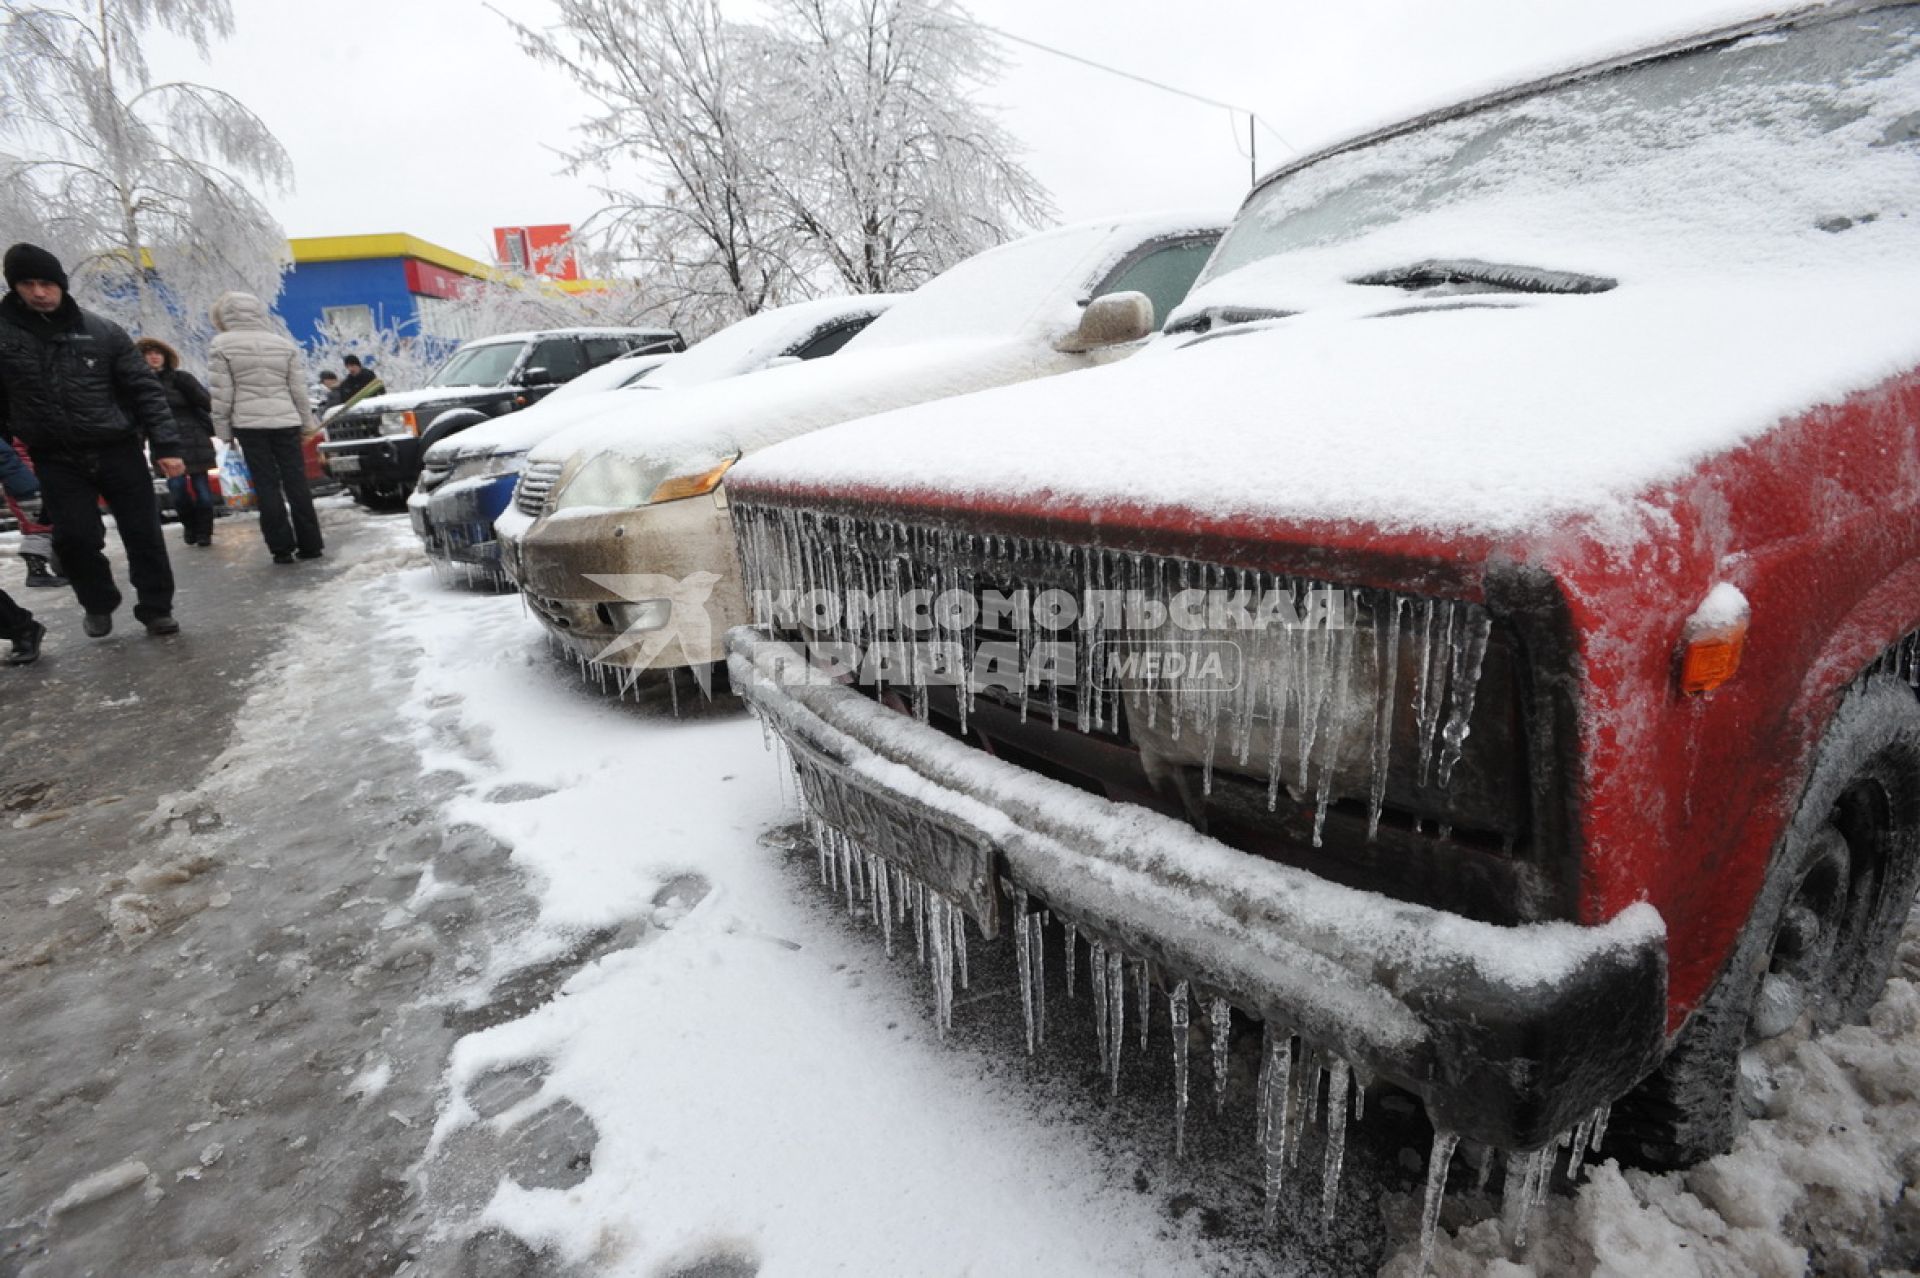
31, 262
167, 353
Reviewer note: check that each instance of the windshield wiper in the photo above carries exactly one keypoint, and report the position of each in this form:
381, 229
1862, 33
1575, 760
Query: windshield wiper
1208, 318
1441, 276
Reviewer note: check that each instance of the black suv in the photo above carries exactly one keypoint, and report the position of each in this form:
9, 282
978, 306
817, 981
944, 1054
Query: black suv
375, 447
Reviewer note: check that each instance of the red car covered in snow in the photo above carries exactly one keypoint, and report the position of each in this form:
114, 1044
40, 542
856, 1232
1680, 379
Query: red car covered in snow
1490, 608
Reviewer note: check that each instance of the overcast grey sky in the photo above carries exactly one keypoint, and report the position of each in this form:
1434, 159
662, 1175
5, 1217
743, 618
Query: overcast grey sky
423, 116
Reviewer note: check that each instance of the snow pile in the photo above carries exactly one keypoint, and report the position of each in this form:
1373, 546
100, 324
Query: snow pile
1824, 1183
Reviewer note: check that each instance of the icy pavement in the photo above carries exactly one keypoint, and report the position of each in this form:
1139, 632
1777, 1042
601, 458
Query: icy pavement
442, 963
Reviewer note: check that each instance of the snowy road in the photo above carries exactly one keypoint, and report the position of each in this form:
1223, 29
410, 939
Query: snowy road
421, 957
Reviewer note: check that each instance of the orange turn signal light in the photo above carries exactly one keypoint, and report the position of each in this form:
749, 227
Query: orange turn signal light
692, 485
1713, 639
411, 422
1712, 659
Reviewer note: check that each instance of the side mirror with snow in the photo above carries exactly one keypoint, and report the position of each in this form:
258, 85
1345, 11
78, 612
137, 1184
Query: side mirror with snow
1112, 320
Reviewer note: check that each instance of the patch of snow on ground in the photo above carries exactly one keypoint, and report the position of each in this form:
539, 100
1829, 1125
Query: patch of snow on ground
752, 1098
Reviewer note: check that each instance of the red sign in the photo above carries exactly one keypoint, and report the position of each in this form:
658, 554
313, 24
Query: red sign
546, 251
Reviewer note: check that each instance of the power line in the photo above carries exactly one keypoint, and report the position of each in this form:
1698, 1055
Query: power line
1253, 116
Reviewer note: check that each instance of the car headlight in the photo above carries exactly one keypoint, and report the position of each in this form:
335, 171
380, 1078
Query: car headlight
399, 424
613, 482
488, 467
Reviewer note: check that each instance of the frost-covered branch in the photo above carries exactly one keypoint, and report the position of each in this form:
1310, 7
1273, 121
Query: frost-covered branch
149, 192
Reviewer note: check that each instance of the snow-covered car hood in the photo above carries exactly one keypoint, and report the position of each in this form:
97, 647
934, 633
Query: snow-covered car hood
991, 320
401, 401
517, 432
706, 424
1495, 416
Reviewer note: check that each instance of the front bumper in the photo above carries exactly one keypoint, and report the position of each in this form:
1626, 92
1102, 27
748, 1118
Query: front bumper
567, 568
1509, 1035
390, 461
455, 520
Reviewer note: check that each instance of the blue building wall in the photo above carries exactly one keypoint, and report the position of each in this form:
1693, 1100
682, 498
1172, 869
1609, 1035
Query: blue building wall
378, 283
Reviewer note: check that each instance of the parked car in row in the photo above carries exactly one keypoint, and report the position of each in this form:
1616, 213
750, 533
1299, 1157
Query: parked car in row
374, 446
601, 504
1541, 474
469, 478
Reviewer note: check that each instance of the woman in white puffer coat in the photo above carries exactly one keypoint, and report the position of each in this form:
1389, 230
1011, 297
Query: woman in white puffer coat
259, 384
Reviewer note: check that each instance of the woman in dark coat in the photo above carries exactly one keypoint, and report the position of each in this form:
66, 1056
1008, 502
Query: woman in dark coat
192, 415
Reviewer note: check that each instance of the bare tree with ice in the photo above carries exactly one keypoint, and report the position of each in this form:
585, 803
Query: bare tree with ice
841, 144
147, 190
677, 147
887, 162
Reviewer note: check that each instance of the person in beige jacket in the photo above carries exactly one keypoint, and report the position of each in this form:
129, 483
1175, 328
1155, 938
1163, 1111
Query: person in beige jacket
259, 383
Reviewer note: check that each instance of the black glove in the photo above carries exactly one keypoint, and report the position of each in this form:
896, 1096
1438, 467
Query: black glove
34, 508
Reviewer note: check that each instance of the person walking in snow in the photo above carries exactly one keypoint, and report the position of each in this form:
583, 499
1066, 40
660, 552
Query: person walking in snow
193, 418
21, 487
74, 391
260, 401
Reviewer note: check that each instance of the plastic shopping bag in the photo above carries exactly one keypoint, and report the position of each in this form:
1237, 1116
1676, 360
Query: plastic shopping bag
236, 484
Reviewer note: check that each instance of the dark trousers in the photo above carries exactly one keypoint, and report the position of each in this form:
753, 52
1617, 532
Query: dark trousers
72, 485
280, 484
193, 502
14, 619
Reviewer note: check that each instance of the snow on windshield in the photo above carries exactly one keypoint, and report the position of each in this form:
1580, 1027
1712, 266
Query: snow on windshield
1768, 152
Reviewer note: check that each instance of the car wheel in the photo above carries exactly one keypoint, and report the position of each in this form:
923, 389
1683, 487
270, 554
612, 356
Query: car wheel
1817, 947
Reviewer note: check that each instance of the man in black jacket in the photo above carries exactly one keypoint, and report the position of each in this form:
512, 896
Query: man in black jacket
76, 393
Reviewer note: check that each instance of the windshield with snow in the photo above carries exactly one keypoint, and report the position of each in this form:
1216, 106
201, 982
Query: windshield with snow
479, 365
1760, 148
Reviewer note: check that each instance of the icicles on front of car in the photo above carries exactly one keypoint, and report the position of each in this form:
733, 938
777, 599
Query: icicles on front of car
1305, 1097
1368, 721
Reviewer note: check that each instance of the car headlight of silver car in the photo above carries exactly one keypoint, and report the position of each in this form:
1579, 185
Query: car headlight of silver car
613, 482
488, 467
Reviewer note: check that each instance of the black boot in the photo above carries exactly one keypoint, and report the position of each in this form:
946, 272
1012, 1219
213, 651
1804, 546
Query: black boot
39, 573
26, 644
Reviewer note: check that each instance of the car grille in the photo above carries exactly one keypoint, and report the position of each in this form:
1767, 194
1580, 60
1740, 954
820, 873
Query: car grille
1377, 739
353, 428
536, 485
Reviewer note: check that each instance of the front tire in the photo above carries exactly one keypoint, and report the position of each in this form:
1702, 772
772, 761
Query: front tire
1817, 947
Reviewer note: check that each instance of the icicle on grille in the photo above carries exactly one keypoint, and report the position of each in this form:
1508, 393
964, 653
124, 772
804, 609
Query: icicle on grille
1178, 1012
1319, 704
1220, 1022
